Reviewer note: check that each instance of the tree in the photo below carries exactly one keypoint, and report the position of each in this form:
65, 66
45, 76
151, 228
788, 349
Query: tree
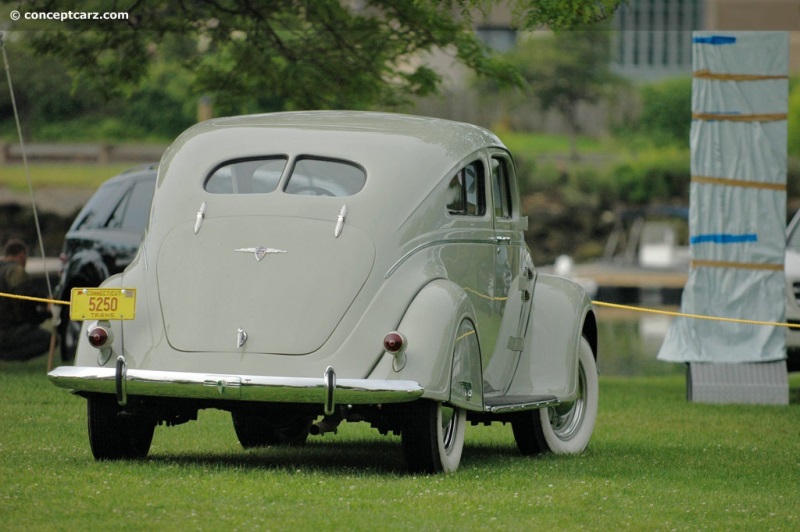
42, 88
565, 68
289, 54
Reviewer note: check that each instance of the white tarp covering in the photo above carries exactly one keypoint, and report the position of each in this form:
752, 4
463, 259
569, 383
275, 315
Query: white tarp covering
737, 212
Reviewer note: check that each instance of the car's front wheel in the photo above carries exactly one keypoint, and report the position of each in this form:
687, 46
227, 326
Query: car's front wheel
565, 428
114, 434
433, 437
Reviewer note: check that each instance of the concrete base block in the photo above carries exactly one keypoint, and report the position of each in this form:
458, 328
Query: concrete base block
751, 383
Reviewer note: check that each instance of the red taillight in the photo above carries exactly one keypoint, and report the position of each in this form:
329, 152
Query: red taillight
98, 337
394, 342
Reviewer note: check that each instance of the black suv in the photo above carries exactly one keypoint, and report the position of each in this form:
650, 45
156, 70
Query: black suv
103, 240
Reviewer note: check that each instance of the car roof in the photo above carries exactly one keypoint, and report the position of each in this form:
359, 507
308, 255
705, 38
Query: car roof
424, 128
426, 147
405, 159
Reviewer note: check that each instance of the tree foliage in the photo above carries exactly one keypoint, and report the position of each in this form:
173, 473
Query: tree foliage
565, 68
666, 112
288, 54
565, 14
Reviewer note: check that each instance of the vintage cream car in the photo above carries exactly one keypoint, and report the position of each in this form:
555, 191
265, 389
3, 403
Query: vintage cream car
304, 269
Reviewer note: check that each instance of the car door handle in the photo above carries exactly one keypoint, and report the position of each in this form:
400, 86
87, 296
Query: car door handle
502, 239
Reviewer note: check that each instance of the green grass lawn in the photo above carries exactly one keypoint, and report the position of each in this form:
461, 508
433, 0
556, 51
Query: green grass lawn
655, 462
84, 175
535, 144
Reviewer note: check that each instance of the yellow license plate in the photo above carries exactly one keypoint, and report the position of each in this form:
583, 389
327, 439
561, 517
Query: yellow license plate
102, 304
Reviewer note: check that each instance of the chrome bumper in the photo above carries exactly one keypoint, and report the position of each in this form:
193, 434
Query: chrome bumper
327, 390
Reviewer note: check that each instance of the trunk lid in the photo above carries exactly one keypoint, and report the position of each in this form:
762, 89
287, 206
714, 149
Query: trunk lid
287, 297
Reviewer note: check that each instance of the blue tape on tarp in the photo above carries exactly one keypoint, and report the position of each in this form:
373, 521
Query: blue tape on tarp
723, 238
714, 39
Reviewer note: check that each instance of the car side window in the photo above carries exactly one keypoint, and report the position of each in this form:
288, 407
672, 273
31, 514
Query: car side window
465, 193
325, 177
501, 188
247, 176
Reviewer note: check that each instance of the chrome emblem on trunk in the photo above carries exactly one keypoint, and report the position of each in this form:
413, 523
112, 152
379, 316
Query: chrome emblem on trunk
260, 252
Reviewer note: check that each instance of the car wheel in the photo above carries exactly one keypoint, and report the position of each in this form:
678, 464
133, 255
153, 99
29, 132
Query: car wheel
271, 428
565, 428
114, 435
433, 437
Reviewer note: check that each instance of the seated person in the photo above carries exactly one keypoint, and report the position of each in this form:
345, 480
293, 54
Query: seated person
20, 335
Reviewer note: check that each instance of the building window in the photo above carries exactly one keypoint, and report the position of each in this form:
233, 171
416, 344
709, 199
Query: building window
654, 37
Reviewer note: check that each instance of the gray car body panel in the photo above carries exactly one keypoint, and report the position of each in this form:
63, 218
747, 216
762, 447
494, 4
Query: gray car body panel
329, 290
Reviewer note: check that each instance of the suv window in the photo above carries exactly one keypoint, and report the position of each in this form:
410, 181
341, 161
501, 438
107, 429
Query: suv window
96, 212
465, 193
133, 210
248, 176
137, 213
501, 188
325, 177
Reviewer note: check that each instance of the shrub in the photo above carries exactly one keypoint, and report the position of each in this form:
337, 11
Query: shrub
657, 175
666, 113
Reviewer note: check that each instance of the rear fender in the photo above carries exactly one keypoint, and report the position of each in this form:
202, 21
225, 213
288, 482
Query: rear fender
430, 326
549, 362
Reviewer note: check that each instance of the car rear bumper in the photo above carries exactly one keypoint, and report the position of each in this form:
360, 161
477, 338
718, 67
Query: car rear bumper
327, 390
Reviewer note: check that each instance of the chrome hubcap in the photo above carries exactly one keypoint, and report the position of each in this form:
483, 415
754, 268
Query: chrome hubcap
449, 421
566, 418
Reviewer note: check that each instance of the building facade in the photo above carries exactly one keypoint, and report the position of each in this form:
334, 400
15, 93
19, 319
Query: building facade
652, 38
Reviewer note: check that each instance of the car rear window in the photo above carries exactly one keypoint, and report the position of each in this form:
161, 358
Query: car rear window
248, 176
325, 177
309, 176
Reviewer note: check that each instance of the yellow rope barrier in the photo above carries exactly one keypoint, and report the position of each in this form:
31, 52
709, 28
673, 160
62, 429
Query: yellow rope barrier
36, 299
596, 303
695, 316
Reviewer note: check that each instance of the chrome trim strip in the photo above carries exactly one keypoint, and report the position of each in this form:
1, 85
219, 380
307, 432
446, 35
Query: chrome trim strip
432, 243
235, 387
144, 255
533, 405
